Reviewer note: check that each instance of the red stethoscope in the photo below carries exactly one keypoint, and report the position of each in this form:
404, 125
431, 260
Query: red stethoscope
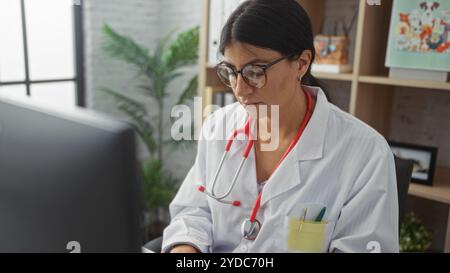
251, 226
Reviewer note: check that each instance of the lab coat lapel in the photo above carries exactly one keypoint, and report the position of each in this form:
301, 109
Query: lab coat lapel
311, 143
285, 177
309, 147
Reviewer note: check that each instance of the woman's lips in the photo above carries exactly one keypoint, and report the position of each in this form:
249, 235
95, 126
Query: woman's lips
251, 103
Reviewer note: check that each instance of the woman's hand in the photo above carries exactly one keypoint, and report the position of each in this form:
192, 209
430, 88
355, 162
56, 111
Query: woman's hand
184, 249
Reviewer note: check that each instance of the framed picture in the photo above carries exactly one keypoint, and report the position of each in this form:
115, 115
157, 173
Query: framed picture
423, 157
419, 35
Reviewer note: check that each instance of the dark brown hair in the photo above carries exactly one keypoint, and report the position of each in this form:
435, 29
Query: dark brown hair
281, 25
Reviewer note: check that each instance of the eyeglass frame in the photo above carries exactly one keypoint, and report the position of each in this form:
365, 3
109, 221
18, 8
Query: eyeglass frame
264, 67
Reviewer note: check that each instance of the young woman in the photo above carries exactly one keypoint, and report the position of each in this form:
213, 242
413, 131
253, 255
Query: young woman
330, 184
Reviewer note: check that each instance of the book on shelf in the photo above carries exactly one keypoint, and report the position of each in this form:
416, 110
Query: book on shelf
219, 11
418, 74
223, 98
218, 99
229, 98
419, 36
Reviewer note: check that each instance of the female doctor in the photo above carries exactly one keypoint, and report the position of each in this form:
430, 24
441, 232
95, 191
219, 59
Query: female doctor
330, 184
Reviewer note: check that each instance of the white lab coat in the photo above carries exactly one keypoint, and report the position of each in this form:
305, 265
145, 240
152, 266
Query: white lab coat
339, 162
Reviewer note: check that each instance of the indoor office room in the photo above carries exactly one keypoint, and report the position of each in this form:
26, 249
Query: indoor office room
225, 126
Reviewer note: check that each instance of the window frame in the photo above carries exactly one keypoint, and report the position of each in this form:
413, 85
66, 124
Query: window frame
79, 79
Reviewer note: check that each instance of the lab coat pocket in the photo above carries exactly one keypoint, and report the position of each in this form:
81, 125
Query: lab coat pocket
306, 235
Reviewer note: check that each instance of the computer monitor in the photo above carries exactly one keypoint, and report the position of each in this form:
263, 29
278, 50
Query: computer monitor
68, 181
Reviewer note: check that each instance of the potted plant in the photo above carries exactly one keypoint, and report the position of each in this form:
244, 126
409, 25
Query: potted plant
157, 70
414, 237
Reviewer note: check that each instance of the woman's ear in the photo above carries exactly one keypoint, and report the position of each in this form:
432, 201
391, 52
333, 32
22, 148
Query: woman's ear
304, 61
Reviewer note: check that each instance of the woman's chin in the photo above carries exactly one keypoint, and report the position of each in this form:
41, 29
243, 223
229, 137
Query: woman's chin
257, 110
251, 109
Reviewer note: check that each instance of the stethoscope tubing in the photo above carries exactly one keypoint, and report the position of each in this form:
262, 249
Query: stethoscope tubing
246, 131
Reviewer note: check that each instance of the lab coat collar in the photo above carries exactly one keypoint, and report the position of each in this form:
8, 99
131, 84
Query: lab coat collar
287, 175
311, 143
309, 147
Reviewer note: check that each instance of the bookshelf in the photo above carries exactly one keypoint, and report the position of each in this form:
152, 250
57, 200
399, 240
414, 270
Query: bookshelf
333, 76
371, 91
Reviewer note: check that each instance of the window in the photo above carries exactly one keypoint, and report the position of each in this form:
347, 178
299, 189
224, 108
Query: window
41, 53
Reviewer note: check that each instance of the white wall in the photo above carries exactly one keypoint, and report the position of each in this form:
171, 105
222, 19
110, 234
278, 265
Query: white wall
145, 21
179, 15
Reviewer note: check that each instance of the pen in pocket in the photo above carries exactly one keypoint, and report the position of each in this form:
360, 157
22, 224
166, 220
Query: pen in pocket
321, 214
305, 210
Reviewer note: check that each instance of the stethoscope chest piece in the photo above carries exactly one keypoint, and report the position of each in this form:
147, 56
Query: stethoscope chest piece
250, 229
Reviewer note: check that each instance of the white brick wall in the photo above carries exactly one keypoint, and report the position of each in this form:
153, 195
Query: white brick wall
179, 15
145, 21
136, 18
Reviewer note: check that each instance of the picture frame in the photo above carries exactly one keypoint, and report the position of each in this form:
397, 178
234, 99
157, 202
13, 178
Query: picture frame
423, 157
419, 35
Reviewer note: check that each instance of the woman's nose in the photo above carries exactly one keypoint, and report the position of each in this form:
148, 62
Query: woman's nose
242, 89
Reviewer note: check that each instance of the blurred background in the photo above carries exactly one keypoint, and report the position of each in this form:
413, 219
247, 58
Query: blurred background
59, 52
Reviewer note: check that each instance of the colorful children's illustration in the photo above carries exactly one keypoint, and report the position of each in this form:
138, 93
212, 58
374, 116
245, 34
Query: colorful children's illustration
420, 35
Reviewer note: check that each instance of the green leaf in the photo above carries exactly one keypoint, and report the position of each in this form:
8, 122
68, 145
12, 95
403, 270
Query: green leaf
190, 91
183, 51
158, 185
126, 49
157, 60
138, 113
155, 71
414, 237
171, 76
149, 90
163, 43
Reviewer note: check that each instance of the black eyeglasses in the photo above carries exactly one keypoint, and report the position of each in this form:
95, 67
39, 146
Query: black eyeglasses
253, 74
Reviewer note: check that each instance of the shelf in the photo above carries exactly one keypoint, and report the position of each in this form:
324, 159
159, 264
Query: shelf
212, 79
334, 76
218, 88
384, 80
439, 192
